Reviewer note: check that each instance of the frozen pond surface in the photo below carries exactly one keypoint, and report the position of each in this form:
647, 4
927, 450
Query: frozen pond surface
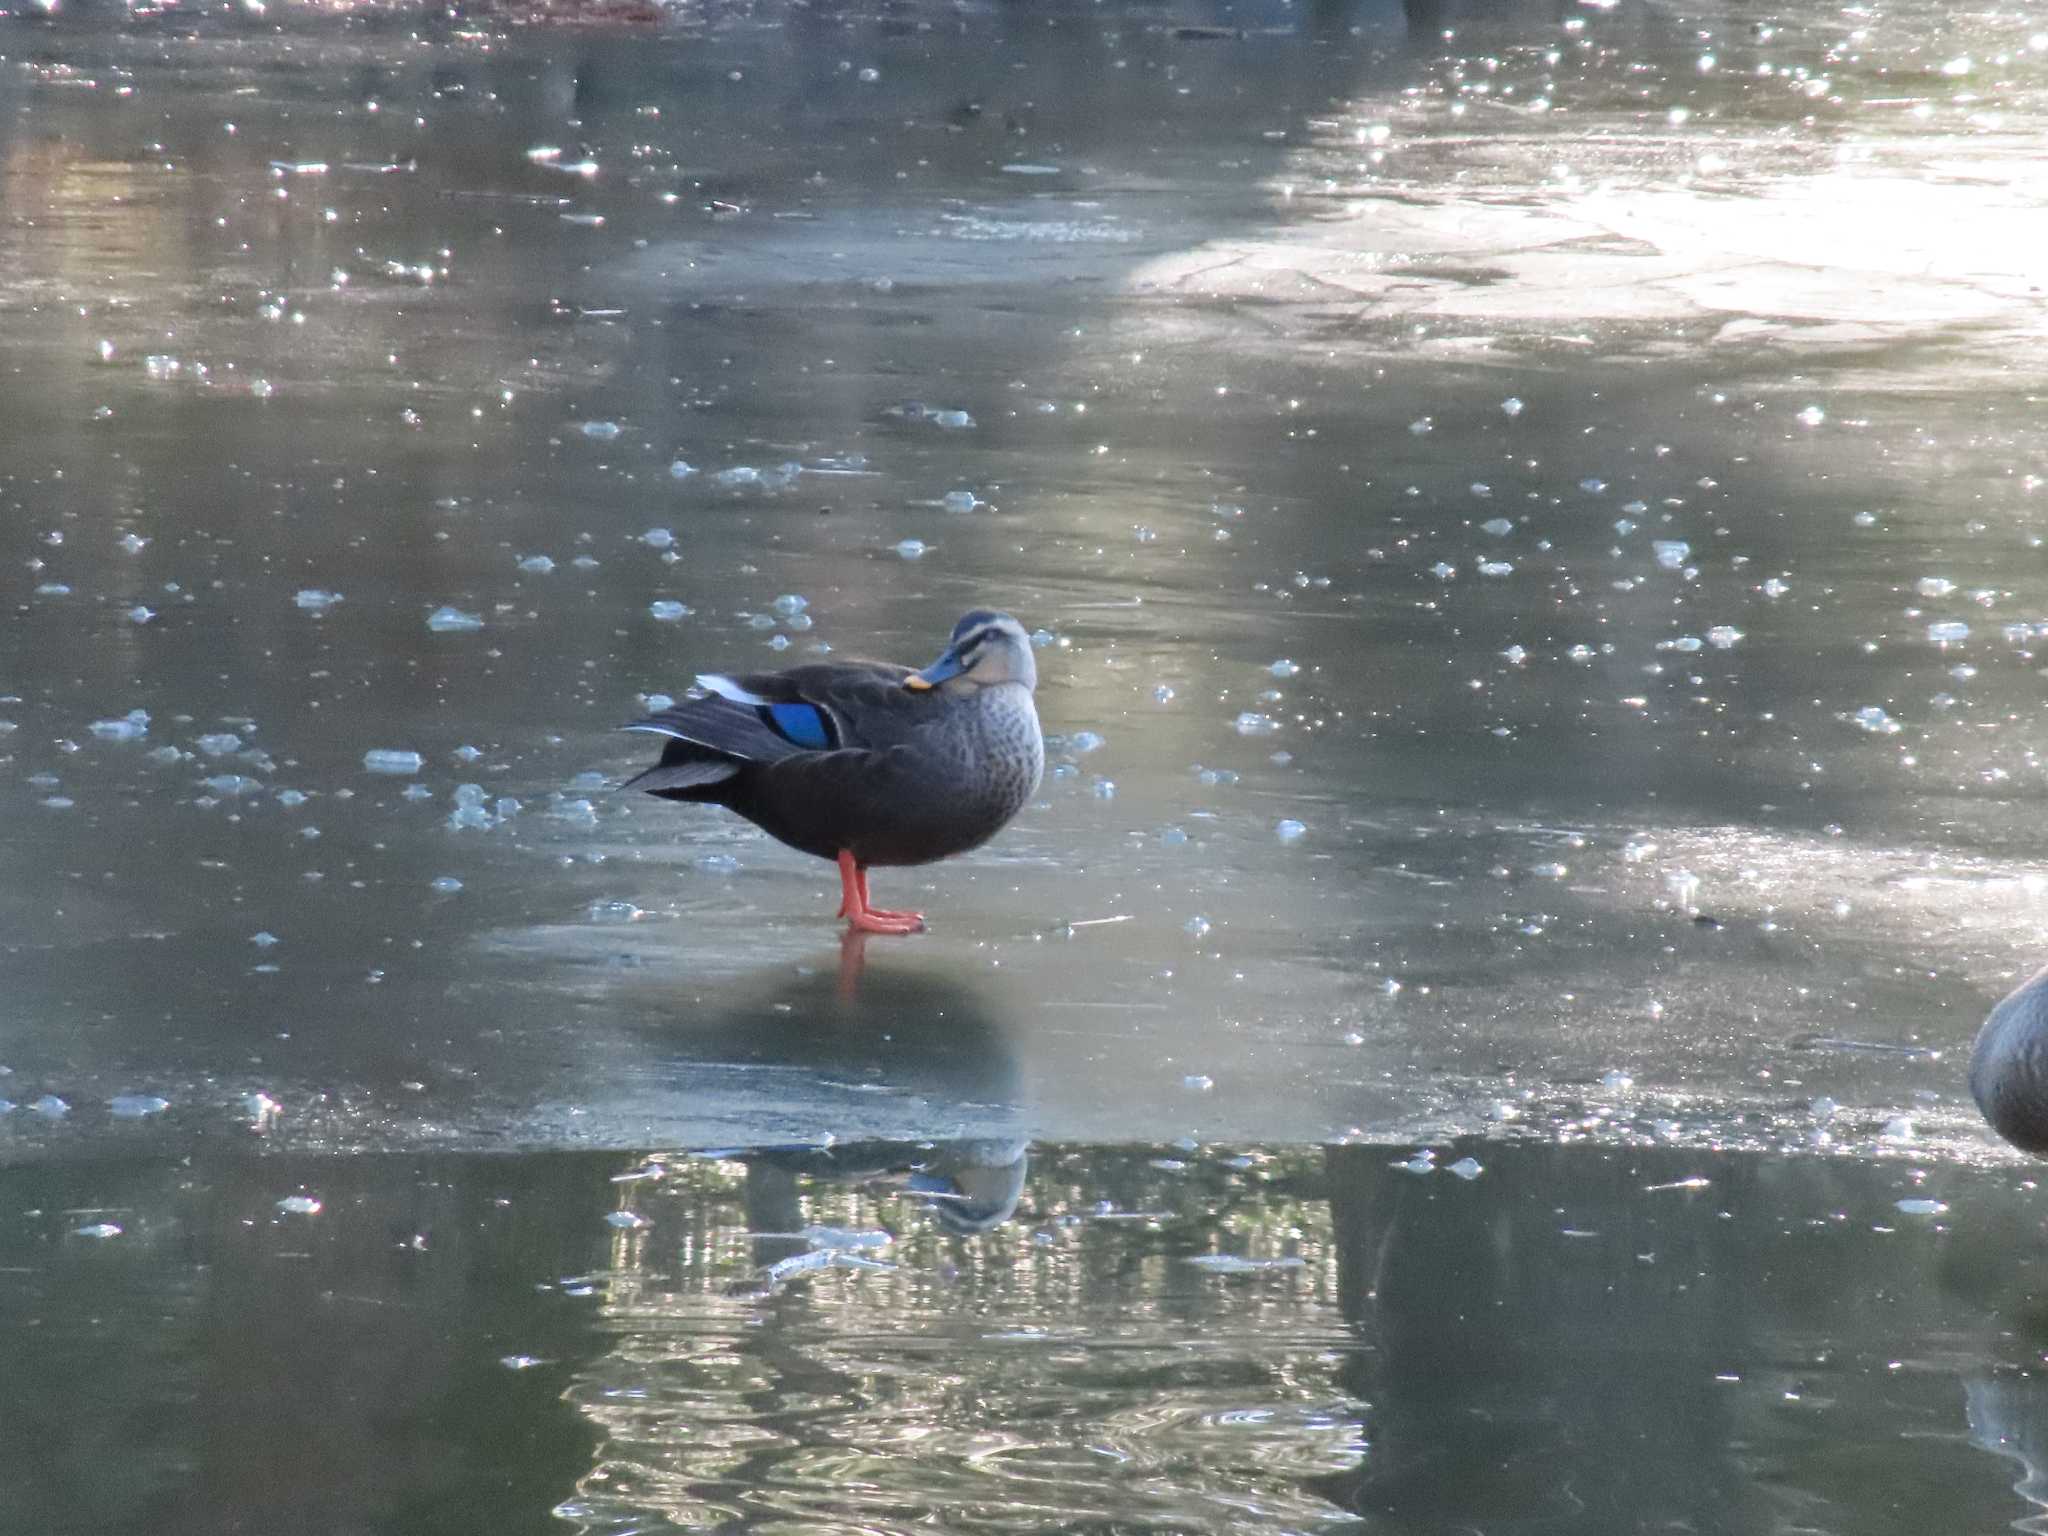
1533, 514
1533, 517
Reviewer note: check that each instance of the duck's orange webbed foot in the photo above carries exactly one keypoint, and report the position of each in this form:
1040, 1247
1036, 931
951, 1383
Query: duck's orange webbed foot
853, 904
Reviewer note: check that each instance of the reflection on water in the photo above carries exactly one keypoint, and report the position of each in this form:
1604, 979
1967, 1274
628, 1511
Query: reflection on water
1192, 1338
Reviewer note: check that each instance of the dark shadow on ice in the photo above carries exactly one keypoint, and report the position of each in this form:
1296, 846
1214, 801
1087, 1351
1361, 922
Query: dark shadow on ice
911, 1046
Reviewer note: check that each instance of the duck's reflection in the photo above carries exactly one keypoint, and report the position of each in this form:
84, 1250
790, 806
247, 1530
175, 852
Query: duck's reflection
928, 1040
969, 1186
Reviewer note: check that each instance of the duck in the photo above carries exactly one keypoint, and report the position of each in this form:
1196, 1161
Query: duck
2009, 1066
865, 763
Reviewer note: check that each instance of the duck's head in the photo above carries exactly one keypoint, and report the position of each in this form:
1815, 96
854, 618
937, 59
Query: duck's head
987, 648
973, 1186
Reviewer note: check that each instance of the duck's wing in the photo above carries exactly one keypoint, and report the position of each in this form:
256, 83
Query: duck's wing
767, 717
829, 706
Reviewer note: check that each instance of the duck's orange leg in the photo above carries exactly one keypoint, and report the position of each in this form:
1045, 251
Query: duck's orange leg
860, 877
853, 903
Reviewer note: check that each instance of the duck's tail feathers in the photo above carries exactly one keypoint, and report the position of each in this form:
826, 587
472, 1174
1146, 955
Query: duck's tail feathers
687, 775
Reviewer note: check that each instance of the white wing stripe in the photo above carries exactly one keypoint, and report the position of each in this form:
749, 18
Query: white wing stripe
726, 688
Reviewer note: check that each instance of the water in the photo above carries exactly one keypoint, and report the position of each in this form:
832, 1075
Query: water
1530, 526
1179, 1338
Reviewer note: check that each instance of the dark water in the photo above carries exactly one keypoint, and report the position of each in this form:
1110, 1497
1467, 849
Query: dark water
1532, 515
1576, 1339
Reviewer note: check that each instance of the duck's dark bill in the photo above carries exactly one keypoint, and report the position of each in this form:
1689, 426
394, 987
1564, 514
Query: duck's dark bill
946, 666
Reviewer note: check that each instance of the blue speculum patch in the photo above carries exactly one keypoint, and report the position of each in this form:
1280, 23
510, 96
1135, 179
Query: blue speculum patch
803, 724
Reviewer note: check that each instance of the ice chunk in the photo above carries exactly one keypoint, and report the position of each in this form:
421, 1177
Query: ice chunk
1671, 553
219, 743
1511, 407
1499, 527
579, 813
1237, 1264
447, 620
681, 469
912, 549
961, 501
1197, 926
1466, 1168
1723, 636
789, 604
136, 1106
298, 1205
314, 600
1873, 719
1198, 1082
667, 610
1812, 416
98, 1230
1934, 586
626, 1221
1948, 632
1290, 831
537, 565
446, 885
1922, 1207
1496, 567
130, 727
658, 538
600, 431
1251, 723
232, 784
392, 760
50, 1107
